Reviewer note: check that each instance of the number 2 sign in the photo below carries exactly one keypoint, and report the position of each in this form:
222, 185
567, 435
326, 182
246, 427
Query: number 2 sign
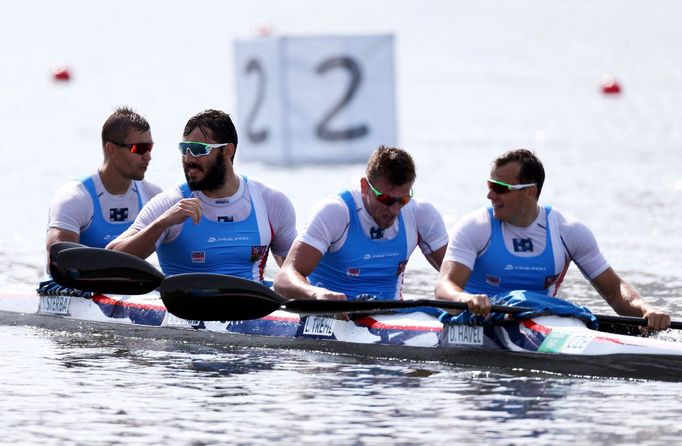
314, 99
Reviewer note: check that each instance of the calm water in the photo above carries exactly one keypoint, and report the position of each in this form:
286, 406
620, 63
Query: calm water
473, 79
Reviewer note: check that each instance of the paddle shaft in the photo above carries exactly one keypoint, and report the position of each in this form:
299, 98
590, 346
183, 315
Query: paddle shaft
308, 307
630, 320
101, 270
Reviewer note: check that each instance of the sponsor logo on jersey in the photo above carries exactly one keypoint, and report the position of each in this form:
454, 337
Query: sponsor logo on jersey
381, 255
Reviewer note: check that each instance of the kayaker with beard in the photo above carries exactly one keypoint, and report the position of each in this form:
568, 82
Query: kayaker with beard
356, 244
95, 210
515, 244
218, 221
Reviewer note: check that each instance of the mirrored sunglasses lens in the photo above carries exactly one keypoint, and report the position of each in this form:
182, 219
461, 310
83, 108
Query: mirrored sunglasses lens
142, 147
385, 199
194, 148
390, 201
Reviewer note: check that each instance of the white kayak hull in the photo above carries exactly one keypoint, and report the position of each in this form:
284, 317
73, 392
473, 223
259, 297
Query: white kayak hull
549, 343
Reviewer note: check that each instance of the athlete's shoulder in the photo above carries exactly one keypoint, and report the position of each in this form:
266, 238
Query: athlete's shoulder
267, 190
478, 217
172, 194
71, 190
151, 188
422, 208
569, 225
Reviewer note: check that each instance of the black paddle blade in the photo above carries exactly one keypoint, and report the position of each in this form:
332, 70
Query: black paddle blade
58, 247
104, 271
57, 273
215, 297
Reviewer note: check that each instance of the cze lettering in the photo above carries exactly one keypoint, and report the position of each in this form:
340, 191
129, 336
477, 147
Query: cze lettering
576, 344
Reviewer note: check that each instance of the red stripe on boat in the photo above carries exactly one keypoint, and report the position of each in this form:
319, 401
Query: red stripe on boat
370, 322
530, 323
102, 299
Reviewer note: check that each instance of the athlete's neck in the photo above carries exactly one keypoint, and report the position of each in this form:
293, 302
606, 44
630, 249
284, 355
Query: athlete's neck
114, 184
228, 189
526, 217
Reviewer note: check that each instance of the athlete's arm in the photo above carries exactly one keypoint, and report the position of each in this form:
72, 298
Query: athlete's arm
435, 258
627, 301
55, 235
450, 286
142, 242
282, 217
291, 279
432, 235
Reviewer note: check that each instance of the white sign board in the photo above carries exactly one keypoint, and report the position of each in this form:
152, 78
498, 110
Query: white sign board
314, 99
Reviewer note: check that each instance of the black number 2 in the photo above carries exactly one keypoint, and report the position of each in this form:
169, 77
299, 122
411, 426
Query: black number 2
256, 136
322, 129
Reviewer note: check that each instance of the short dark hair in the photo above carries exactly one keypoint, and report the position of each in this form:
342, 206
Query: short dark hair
531, 170
218, 122
394, 165
117, 126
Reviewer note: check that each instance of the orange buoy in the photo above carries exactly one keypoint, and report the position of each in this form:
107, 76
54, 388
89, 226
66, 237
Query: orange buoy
609, 85
61, 73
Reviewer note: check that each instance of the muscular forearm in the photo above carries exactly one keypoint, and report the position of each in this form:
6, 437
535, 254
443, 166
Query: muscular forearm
448, 290
628, 302
293, 285
140, 243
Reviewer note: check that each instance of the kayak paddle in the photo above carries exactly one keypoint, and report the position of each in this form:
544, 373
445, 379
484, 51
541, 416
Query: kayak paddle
217, 297
103, 270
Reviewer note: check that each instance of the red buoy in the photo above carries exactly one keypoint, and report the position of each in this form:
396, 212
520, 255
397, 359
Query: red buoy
609, 85
61, 73
263, 29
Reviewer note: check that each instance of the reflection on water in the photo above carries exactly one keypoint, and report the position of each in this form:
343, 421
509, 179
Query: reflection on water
180, 393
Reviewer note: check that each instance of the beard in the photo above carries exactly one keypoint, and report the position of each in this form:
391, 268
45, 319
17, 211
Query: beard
214, 176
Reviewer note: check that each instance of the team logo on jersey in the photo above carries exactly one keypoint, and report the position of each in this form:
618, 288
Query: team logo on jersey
258, 252
376, 233
353, 271
118, 214
492, 280
523, 245
198, 256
